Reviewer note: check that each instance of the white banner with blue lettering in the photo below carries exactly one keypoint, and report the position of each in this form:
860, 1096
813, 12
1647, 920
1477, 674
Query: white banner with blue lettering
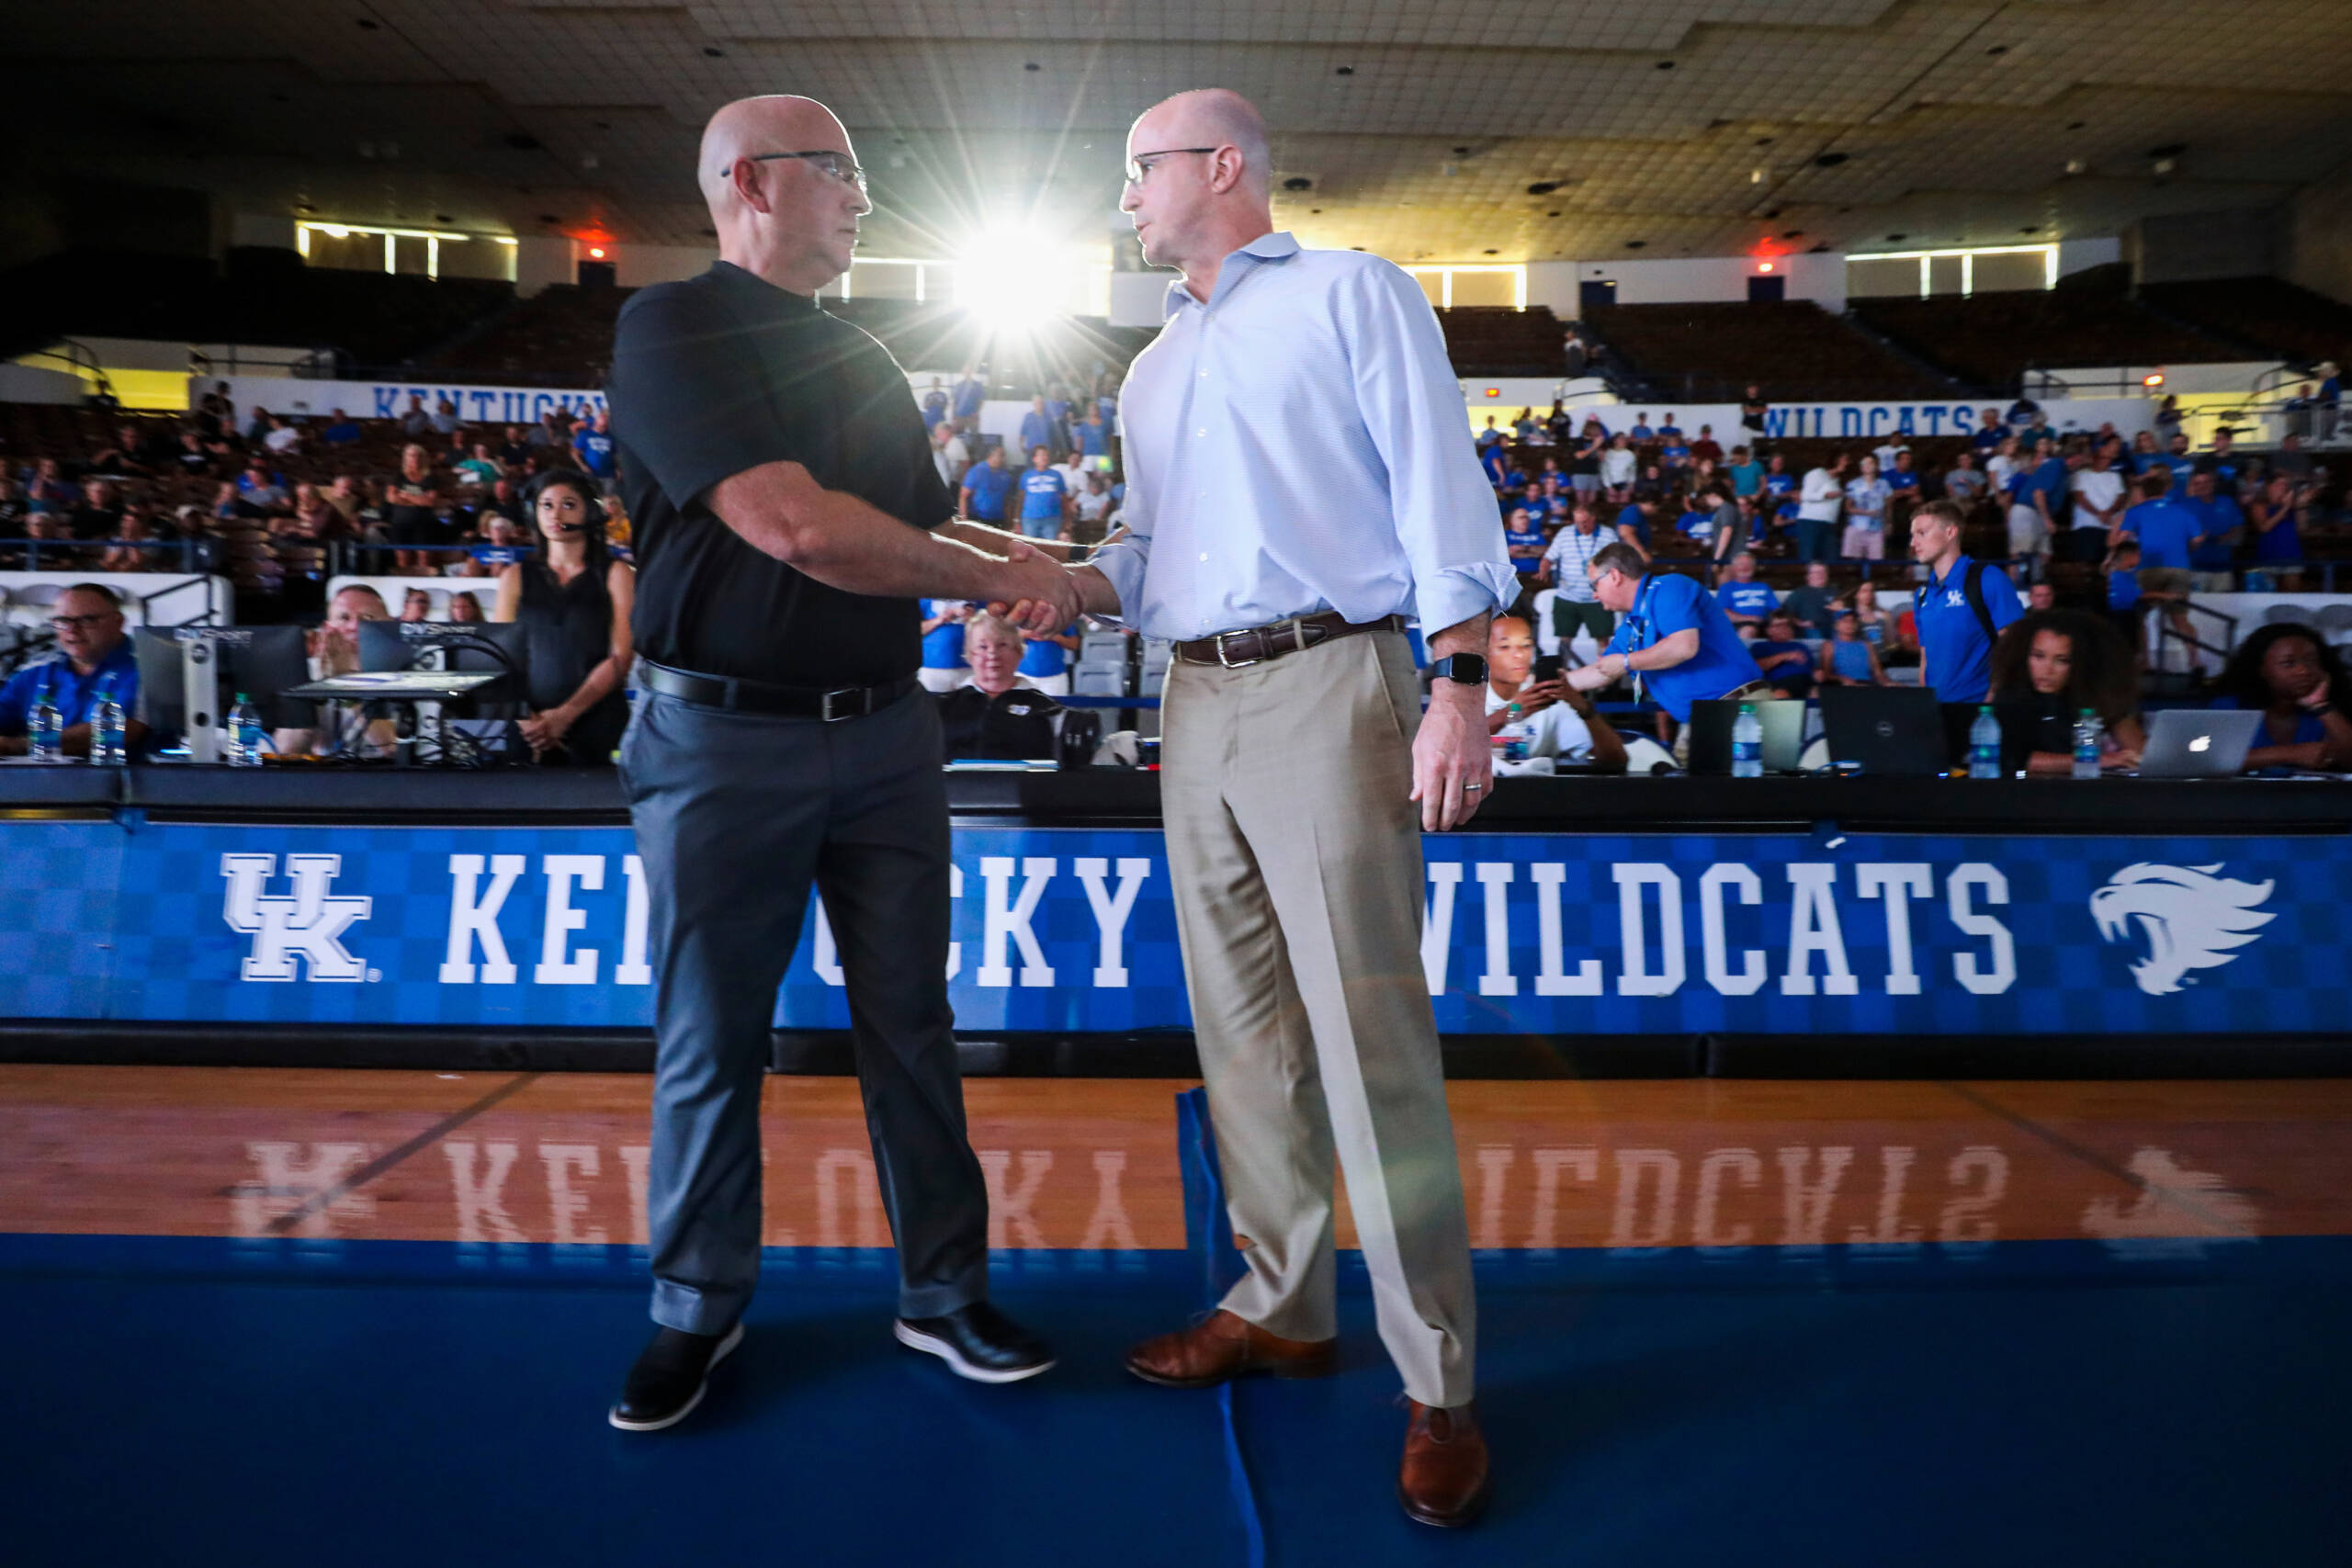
1072, 931
388, 400
1858, 422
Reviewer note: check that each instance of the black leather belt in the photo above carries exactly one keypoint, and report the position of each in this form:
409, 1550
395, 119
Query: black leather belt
1255, 645
744, 696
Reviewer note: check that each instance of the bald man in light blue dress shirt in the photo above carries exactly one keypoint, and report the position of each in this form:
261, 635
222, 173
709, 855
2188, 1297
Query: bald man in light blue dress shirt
1300, 480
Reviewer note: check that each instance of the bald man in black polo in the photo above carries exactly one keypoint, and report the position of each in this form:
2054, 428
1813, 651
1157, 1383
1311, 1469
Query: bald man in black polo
787, 515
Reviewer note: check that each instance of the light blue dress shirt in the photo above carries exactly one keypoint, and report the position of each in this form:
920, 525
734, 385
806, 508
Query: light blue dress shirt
1299, 444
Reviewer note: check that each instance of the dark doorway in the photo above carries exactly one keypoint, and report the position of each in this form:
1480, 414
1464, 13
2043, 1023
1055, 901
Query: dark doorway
1596, 291
1762, 289
597, 275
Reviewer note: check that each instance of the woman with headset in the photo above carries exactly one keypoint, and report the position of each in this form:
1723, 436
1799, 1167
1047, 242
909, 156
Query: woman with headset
574, 600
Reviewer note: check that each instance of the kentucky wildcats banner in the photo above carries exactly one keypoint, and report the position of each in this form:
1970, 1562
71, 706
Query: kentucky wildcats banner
1073, 931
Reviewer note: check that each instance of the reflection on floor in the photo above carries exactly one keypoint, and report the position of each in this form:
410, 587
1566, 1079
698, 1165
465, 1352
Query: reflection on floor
273, 1316
1090, 1165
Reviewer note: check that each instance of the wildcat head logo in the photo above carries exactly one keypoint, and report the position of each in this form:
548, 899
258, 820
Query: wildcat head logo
2192, 917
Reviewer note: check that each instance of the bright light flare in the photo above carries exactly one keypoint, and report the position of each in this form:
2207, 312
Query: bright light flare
1014, 280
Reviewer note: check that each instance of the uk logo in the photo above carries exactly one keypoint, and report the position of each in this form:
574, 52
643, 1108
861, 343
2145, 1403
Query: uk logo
308, 922
2189, 917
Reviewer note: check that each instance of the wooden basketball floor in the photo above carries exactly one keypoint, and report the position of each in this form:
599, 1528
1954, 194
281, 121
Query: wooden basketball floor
263, 1314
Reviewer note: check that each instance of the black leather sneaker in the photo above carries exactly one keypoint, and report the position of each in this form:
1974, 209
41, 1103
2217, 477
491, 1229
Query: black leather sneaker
980, 1343
669, 1378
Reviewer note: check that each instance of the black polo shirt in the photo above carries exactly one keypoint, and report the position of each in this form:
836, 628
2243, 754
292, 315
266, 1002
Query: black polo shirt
715, 376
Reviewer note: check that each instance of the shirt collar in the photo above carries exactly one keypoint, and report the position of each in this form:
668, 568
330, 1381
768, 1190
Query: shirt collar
1959, 569
780, 299
1279, 245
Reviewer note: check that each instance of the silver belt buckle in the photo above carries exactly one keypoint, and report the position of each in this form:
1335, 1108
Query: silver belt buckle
825, 705
1233, 664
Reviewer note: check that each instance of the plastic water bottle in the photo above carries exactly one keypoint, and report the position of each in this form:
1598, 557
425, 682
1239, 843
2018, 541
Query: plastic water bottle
248, 743
106, 732
1747, 744
2087, 733
47, 732
1985, 745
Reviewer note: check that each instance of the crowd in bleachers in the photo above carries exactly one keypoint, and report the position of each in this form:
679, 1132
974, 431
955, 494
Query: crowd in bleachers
1821, 520
263, 497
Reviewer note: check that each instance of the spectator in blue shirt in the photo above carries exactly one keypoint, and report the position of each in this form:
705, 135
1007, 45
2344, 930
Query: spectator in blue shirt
1642, 431
1747, 473
1786, 661
2220, 522
2179, 462
1633, 525
1093, 436
94, 660
1044, 659
2295, 679
2167, 531
1491, 436
1045, 498
1524, 540
1697, 522
341, 429
1903, 479
1673, 455
970, 392
1990, 434
1037, 427
1668, 430
942, 644
1746, 601
1959, 610
594, 442
1671, 635
986, 485
934, 404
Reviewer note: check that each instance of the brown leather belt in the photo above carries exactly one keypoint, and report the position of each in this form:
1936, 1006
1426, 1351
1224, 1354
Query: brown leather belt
1255, 645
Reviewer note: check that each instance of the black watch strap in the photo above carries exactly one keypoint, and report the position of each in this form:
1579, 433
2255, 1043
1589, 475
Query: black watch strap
1466, 669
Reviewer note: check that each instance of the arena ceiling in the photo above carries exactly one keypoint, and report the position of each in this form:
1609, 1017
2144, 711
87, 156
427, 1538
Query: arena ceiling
1671, 127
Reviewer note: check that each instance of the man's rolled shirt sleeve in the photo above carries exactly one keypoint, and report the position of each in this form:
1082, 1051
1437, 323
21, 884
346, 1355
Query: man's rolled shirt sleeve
1411, 406
691, 404
1124, 560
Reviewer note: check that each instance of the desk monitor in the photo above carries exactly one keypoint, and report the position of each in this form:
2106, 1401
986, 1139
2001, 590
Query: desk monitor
263, 662
403, 645
1886, 732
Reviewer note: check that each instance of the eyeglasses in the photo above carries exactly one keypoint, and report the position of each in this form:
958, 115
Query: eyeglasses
1137, 170
68, 623
840, 165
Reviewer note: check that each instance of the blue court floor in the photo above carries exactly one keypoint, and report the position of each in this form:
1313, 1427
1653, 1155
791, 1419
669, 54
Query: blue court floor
199, 1401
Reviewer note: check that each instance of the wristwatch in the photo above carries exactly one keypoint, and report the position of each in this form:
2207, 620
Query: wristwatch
1464, 668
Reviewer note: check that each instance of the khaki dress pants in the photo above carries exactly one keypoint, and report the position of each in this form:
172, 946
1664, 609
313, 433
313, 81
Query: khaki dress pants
1296, 856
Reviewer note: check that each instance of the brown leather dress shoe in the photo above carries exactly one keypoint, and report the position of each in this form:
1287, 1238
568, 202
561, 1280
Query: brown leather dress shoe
1444, 1480
1222, 1346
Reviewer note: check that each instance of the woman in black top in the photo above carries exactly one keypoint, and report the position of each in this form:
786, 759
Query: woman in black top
1752, 411
574, 601
2048, 666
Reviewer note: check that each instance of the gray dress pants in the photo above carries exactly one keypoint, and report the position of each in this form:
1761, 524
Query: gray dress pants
736, 815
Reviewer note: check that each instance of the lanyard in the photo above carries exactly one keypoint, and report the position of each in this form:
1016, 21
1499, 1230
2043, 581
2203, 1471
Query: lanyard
1638, 632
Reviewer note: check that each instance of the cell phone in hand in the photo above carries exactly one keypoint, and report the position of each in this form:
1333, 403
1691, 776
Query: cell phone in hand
1548, 667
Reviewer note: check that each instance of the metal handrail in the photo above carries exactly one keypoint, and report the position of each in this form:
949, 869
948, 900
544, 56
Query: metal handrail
187, 548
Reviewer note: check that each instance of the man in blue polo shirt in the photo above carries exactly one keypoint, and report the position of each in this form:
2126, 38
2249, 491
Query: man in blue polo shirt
1045, 498
1671, 635
986, 485
1743, 599
1037, 427
94, 659
1961, 609
970, 392
2220, 523
1990, 434
592, 443
2167, 528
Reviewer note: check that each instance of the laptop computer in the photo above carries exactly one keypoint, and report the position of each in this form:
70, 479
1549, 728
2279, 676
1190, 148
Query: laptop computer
1710, 723
1885, 731
2198, 743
